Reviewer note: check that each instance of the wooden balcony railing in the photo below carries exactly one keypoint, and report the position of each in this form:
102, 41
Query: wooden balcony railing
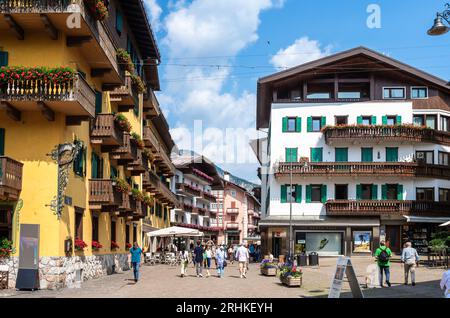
209, 196
103, 196
137, 166
127, 152
388, 133
387, 207
74, 98
126, 95
151, 104
153, 184
10, 179
159, 153
186, 188
105, 131
364, 169
232, 211
150, 140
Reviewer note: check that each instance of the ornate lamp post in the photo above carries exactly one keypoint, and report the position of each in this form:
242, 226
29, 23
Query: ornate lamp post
439, 27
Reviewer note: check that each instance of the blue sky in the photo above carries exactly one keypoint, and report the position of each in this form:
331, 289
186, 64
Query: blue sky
213, 52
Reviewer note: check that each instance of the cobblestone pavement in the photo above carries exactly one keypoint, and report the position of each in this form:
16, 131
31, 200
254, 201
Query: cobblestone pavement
163, 281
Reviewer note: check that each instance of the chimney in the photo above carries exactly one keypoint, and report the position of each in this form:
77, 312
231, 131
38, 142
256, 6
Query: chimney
226, 176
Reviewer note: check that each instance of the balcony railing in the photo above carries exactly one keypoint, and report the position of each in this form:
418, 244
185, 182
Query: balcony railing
103, 196
127, 152
137, 166
151, 104
232, 226
363, 169
150, 140
380, 133
159, 189
127, 94
387, 207
187, 188
105, 131
232, 211
159, 154
209, 196
10, 179
75, 98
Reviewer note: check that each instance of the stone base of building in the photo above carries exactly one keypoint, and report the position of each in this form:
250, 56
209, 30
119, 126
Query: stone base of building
69, 272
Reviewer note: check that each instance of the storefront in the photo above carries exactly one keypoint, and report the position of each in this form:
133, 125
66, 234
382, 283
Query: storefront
232, 237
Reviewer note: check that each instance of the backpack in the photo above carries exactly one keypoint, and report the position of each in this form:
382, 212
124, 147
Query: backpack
384, 256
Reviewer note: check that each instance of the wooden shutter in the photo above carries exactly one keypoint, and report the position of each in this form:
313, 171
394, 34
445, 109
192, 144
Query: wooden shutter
324, 121
374, 192
374, 120
2, 141
324, 194
384, 192
298, 193
400, 192
3, 58
399, 120
308, 193
285, 124
294, 155
98, 102
299, 124
316, 154
358, 192
359, 120
392, 154
94, 165
283, 193
310, 124
288, 155
119, 21
341, 155
367, 154
385, 120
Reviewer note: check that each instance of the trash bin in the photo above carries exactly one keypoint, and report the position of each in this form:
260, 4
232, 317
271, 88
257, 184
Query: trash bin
302, 260
313, 259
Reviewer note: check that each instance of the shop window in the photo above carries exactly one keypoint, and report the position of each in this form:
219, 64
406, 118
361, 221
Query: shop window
341, 120
5, 223
95, 228
444, 158
425, 194
341, 192
79, 223
113, 231
425, 157
444, 195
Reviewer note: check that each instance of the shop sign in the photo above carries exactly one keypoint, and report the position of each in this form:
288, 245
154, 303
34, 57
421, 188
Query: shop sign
361, 241
344, 267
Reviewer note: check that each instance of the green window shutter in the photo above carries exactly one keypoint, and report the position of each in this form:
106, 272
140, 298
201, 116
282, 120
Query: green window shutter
119, 21
324, 121
367, 154
299, 124
94, 165
400, 192
294, 155
98, 102
324, 194
310, 124
2, 141
374, 120
341, 155
358, 192
308, 194
359, 120
114, 173
84, 162
316, 154
384, 192
384, 120
288, 155
298, 193
3, 58
399, 120
285, 124
374, 192
283, 194
100, 168
391, 154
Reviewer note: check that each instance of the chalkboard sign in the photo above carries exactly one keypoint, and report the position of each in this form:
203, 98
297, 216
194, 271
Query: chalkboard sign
344, 268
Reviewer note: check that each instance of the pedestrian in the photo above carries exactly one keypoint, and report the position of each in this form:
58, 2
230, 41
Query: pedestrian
252, 252
208, 255
231, 254
243, 257
198, 259
136, 252
221, 261
445, 284
184, 257
383, 255
410, 259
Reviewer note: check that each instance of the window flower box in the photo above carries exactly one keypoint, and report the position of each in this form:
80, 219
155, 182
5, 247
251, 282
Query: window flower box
80, 245
291, 276
291, 281
96, 246
114, 245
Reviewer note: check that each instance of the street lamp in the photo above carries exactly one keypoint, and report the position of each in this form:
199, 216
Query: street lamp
439, 28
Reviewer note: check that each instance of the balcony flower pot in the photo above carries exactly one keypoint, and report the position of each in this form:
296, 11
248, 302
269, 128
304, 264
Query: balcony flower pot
123, 122
124, 60
96, 246
291, 281
98, 9
80, 245
128, 246
114, 246
6, 249
291, 276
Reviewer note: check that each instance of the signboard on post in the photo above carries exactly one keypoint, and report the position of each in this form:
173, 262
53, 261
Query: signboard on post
345, 268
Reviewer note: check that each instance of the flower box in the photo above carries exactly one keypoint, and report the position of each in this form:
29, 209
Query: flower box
291, 281
269, 271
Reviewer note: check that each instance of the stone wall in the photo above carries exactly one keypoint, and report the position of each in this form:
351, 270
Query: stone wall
62, 272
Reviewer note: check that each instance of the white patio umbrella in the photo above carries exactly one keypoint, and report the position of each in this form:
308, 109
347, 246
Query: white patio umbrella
445, 224
175, 231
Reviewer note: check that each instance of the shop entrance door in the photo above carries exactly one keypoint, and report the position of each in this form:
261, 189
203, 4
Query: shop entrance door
393, 238
276, 247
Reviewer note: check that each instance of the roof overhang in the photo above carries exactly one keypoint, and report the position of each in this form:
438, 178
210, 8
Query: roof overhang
319, 221
163, 129
422, 219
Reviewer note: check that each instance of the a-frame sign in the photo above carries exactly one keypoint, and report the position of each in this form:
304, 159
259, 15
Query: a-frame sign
344, 267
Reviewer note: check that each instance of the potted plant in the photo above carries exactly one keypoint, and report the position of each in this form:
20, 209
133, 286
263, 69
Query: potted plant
128, 245
123, 122
124, 59
268, 268
291, 276
6, 249
98, 9
96, 246
138, 83
121, 186
114, 245
140, 143
80, 245
137, 195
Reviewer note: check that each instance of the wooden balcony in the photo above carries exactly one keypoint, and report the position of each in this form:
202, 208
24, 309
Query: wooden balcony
138, 166
377, 134
126, 153
232, 211
202, 211
388, 207
209, 196
76, 98
10, 179
105, 131
153, 184
103, 196
91, 37
188, 189
126, 96
151, 104
159, 153
232, 226
363, 169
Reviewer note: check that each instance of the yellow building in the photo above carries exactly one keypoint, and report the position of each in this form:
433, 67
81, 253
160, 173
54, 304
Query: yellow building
76, 95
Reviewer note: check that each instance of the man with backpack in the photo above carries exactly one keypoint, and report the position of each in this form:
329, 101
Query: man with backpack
383, 256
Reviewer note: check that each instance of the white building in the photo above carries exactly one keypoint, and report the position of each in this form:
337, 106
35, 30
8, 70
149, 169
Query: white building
367, 140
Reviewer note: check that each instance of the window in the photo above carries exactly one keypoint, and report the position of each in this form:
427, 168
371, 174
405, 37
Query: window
316, 193
113, 231
98, 102
79, 223
233, 193
319, 96
295, 193
114, 173
96, 166
431, 121
5, 223
292, 124
391, 154
134, 232
315, 124
394, 93
366, 192
444, 195
3, 58
316, 154
119, 22
341, 155
2, 141
341, 120
79, 163
445, 123
291, 155
366, 120
444, 158
127, 234
392, 192
419, 92
392, 120
341, 192
425, 157
366, 154
419, 120
425, 194
95, 228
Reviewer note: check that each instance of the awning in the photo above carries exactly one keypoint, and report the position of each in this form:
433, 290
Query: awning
422, 219
282, 221
445, 224
175, 231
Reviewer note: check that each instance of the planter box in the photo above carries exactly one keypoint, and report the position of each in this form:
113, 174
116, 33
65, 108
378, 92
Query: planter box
292, 282
271, 271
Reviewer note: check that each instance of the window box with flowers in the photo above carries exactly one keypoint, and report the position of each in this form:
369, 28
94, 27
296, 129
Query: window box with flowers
96, 246
98, 9
123, 122
6, 249
137, 138
128, 246
137, 195
114, 246
122, 186
80, 245
268, 268
124, 59
291, 276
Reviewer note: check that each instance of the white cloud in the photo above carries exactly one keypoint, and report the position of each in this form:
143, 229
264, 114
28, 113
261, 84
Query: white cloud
154, 11
302, 51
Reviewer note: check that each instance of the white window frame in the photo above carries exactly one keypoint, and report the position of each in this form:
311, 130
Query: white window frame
426, 87
394, 87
